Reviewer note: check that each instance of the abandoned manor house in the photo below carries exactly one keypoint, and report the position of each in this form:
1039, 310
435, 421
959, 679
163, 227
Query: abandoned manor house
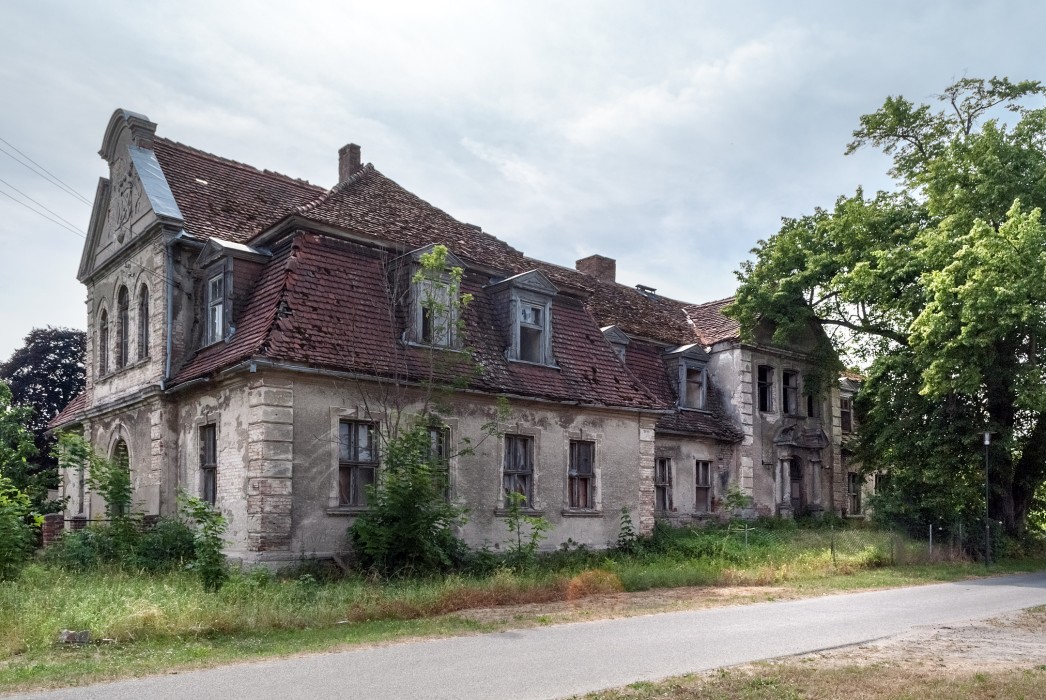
249, 334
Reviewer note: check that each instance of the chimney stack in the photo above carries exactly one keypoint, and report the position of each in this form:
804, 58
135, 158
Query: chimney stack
348, 161
600, 267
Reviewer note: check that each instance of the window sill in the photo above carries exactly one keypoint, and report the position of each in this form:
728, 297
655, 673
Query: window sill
347, 511
580, 513
695, 409
532, 512
534, 364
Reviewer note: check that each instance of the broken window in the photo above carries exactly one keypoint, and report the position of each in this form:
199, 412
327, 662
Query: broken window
357, 461
663, 485
215, 308
790, 392
439, 458
853, 492
765, 388
209, 463
846, 414
123, 322
532, 324
694, 386
581, 474
518, 471
103, 343
143, 323
813, 406
435, 314
703, 487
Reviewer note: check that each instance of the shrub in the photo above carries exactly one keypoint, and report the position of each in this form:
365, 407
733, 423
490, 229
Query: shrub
209, 561
17, 529
166, 546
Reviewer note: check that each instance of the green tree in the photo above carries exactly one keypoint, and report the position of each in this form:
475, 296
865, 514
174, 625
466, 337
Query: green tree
17, 519
938, 288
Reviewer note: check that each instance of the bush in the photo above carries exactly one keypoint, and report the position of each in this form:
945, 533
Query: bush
17, 529
166, 546
209, 561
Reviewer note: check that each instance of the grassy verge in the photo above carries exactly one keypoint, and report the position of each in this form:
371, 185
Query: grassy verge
879, 682
148, 623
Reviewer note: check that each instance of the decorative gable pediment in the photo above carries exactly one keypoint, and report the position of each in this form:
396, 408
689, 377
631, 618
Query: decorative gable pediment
615, 335
693, 351
134, 198
216, 249
532, 281
452, 260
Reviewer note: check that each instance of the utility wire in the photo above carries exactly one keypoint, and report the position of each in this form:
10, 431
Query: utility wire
46, 174
54, 214
40, 213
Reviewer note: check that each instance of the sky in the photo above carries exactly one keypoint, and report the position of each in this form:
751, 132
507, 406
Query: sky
670, 136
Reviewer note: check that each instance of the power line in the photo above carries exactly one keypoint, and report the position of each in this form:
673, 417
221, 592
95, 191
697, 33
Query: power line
40, 213
46, 174
54, 214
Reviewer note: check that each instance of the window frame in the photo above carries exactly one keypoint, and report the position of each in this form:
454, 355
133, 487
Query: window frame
208, 443
439, 457
686, 368
663, 485
854, 486
702, 486
214, 329
542, 328
351, 466
428, 318
581, 485
143, 322
790, 392
123, 322
846, 414
103, 343
765, 388
520, 475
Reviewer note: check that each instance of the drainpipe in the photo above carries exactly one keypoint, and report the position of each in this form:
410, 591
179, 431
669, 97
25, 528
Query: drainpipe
169, 272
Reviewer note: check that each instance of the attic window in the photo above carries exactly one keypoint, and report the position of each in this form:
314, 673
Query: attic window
215, 308
693, 391
532, 328
688, 367
526, 301
434, 313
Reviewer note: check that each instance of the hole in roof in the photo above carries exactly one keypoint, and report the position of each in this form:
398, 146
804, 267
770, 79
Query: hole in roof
202, 182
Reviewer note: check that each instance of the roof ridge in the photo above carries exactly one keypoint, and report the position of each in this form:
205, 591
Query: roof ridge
341, 186
237, 164
732, 297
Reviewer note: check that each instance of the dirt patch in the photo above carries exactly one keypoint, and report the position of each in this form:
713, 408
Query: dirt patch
609, 605
1016, 641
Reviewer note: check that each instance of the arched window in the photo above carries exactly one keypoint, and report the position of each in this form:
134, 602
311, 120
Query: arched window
143, 322
121, 459
122, 326
103, 343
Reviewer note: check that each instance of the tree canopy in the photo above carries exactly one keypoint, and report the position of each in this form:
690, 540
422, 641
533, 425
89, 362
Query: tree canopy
938, 288
44, 375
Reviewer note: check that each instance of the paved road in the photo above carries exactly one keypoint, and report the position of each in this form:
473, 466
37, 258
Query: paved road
562, 660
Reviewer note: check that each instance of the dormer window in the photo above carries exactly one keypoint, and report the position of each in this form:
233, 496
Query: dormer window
435, 298
688, 366
617, 339
215, 308
526, 300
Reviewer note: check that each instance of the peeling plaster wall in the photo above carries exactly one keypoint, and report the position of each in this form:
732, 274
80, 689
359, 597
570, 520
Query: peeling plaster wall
684, 453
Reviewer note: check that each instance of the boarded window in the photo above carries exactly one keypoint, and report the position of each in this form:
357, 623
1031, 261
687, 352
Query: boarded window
765, 388
209, 463
357, 462
518, 471
703, 487
663, 485
581, 474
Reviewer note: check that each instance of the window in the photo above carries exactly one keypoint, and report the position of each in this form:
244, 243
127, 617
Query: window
435, 316
143, 323
766, 388
121, 460
694, 386
209, 463
439, 458
790, 392
581, 474
357, 462
122, 327
703, 487
813, 406
663, 485
846, 420
215, 308
531, 332
518, 472
882, 482
853, 492
103, 343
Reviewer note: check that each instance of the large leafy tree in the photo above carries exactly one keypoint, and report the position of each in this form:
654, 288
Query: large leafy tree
44, 375
939, 289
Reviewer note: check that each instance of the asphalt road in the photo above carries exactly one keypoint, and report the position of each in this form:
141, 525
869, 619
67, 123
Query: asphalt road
562, 660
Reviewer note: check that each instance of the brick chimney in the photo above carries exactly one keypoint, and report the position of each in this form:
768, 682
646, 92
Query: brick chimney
602, 268
348, 161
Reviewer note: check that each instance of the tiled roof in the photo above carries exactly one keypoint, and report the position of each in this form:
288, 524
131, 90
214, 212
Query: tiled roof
645, 361
70, 414
712, 326
226, 199
317, 304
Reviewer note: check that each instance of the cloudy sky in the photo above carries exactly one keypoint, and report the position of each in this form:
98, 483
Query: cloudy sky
668, 135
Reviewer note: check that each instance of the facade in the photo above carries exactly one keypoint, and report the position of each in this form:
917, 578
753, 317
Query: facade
252, 337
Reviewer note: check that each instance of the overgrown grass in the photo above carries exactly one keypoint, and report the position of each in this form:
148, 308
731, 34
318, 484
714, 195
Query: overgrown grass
153, 621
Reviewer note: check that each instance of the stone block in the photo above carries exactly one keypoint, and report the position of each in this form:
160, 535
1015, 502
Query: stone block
272, 414
269, 487
270, 450
270, 468
273, 432
271, 397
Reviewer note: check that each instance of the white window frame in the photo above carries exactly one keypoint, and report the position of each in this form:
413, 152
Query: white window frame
686, 367
216, 316
543, 326
702, 486
434, 298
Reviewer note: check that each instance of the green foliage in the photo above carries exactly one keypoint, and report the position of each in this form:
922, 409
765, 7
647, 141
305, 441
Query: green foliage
16, 441
209, 561
937, 288
528, 531
736, 499
627, 537
166, 546
409, 527
17, 528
